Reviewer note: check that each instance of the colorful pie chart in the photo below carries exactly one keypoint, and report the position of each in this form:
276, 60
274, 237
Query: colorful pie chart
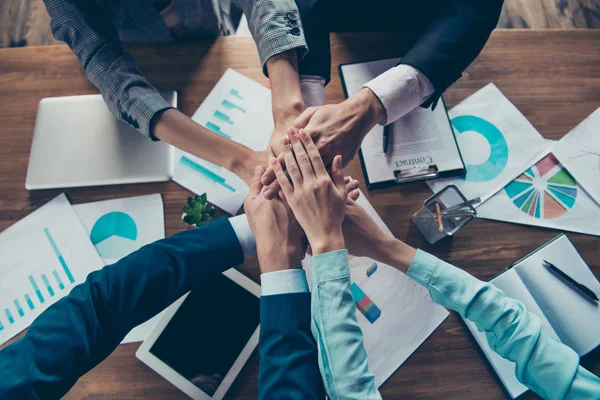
546, 190
114, 235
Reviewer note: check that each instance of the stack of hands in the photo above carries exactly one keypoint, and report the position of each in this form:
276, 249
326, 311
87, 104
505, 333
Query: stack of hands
312, 208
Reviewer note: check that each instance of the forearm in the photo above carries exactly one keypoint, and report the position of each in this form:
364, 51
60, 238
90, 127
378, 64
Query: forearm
286, 97
546, 366
92, 320
342, 354
177, 129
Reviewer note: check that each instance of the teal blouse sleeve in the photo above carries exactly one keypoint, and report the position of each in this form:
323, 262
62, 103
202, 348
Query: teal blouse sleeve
546, 366
342, 354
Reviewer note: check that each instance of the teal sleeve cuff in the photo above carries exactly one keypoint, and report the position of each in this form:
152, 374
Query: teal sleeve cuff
422, 267
327, 266
284, 282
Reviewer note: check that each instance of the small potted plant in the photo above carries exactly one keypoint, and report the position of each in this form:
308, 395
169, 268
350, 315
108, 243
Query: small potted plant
198, 211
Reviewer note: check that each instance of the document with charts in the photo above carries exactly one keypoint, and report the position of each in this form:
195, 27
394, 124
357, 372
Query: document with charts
395, 313
117, 228
496, 142
545, 194
237, 108
42, 257
579, 152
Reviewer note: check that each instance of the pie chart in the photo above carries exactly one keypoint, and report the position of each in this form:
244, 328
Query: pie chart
546, 190
473, 127
114, 235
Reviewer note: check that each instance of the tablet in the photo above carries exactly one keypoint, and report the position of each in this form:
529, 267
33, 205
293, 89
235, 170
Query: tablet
206, 337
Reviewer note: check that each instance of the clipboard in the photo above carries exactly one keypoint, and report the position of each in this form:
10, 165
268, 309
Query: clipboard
410, 173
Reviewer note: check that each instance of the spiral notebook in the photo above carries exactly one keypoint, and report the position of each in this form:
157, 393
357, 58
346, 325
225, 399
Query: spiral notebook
566, 315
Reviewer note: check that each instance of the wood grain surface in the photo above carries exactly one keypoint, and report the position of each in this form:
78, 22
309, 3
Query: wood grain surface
553, 77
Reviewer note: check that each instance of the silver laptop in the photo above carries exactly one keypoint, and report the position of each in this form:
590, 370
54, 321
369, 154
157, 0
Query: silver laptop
78, 142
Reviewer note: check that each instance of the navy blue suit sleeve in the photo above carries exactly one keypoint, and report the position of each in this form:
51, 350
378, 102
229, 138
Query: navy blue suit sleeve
82, 329
454, 38
288, 353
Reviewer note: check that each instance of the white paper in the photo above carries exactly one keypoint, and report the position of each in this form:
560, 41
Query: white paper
408, 315
573, 316
545, 195
48, 250
496, 141
579, 152
119, 227
238, 108
419, 139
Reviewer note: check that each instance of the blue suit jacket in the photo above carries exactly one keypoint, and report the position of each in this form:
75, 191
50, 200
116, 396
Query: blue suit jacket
82, 329
288, 352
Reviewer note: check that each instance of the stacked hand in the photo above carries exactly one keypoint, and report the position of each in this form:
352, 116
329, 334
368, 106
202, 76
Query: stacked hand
337, 129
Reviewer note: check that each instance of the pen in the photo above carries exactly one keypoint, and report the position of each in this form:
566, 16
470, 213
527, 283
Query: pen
476, 200
581, 288
386, 138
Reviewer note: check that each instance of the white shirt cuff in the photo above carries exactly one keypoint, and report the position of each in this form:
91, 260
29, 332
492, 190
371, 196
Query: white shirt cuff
282, 282
312, 88
242, 230
400, 89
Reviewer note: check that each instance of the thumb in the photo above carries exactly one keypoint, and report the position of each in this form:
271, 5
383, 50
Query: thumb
256, 185
304, 118
337, 175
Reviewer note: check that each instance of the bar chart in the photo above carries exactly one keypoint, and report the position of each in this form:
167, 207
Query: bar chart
239, 109
41, 294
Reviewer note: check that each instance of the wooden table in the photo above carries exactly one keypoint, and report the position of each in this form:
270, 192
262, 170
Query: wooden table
553, 77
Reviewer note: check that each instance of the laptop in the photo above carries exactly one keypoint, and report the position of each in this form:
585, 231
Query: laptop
78, 142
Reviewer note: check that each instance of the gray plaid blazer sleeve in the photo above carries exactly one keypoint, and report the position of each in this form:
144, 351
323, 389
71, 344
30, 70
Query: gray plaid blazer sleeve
275, 26
88, 30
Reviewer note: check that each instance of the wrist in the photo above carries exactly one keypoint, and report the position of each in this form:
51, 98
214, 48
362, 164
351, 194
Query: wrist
396, 253
327, 242
369, 106
239, 160
278, 258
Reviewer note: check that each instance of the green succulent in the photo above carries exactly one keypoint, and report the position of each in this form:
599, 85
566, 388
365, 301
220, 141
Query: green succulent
198, 211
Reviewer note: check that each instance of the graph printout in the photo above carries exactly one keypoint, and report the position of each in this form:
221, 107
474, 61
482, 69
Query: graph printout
238, 108
545, 194
395, 313
119, 227
496, 142
42, 257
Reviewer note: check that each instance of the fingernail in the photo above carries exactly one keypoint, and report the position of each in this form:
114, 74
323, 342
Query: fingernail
268, 193
339, 161
273, 161
303, 134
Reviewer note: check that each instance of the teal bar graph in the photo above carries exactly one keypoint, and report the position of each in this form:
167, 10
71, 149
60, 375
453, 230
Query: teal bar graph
205, 172
59, 255
1, 326
222, 116
235, 93
58, 280
48, 286
217, 129
9, 316
232, 106
19, 308
36, 289
29, 302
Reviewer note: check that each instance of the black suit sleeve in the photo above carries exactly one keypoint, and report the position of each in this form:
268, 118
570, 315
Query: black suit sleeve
455, 36
289, 366
82, 329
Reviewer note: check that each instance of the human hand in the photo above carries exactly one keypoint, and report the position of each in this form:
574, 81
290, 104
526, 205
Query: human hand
317, 200
280, 242
365, 239
245, 167
335, 129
